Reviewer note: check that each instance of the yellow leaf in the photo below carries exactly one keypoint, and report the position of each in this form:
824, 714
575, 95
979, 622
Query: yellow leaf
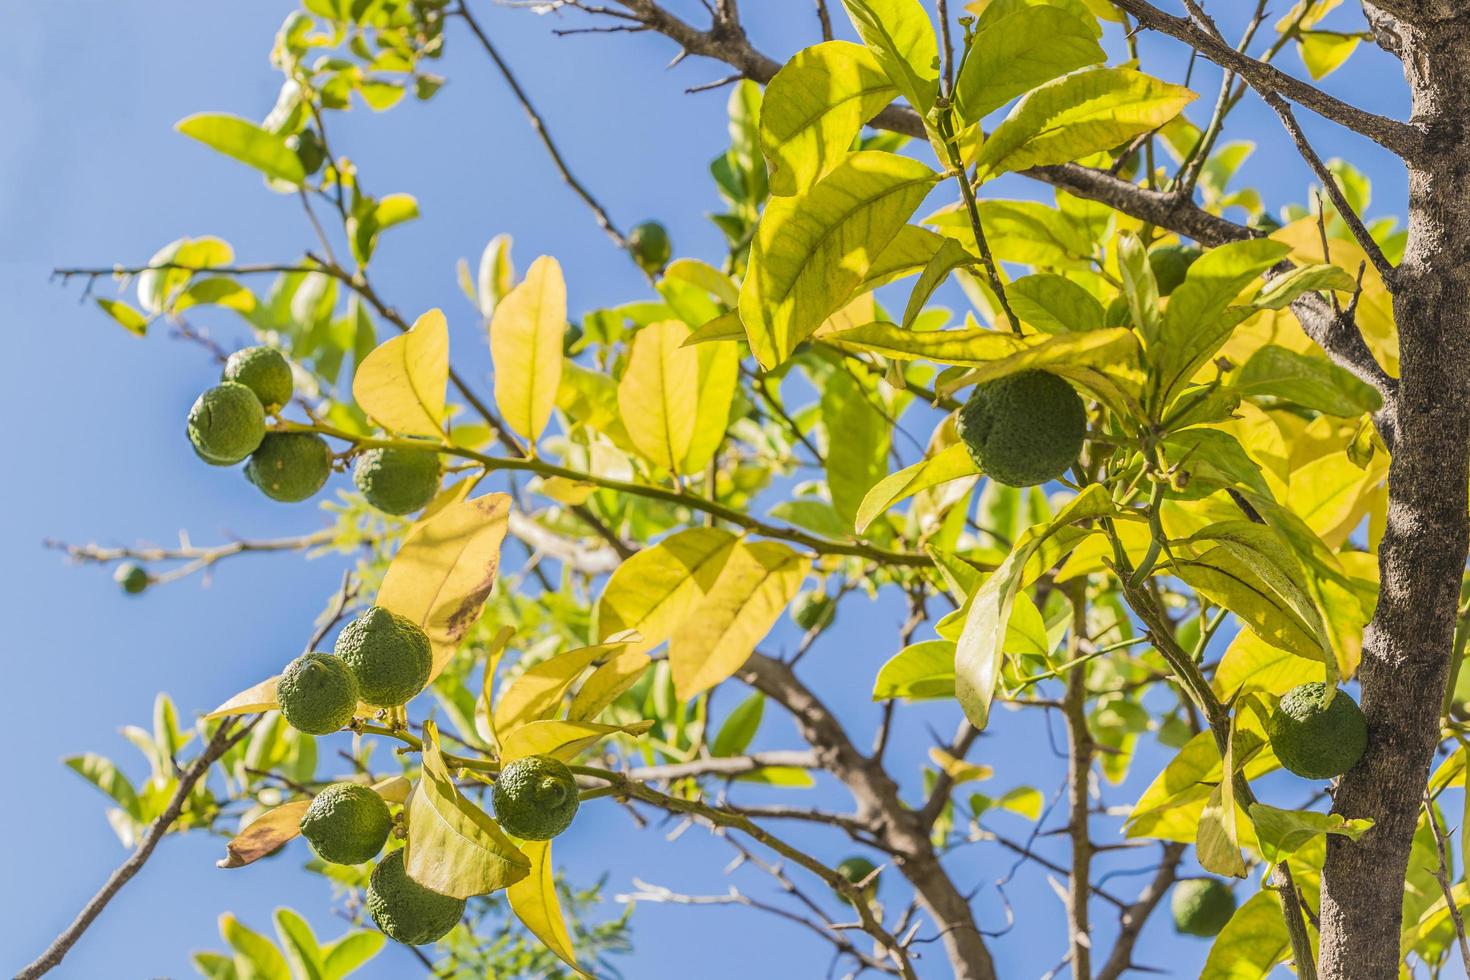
1251, 662
264, 834
753, 588
445, 569
951, 463
607, 684
453, 847
1216, 844
484, 716
400, 384
526, 336
534, 901
960, 770
394, 789
261, 697
655, 589
539, 689
719, 376
658, 390
562, 739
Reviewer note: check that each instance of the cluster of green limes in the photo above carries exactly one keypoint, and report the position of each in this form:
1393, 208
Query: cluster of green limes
227, 426
380, 659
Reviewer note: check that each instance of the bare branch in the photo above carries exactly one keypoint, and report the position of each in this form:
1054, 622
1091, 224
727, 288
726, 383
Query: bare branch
727, 766
1442, 875
1133, 918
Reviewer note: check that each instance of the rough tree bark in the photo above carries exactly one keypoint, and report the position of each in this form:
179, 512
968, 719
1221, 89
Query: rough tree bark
1422, 557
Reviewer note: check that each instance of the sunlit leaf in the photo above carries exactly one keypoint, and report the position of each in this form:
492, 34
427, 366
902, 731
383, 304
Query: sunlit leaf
539, 688
246, 142
951, 463
261, 697
534, 901
1015, 53
899, 34
526, 332
263, 835
400, 385
1283, 832
658, 388
563, 739
653, 591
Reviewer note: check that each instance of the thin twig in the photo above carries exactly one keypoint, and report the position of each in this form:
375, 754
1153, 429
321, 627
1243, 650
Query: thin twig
1441, 874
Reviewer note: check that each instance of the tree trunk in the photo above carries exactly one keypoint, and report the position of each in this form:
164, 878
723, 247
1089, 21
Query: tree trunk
1422, 557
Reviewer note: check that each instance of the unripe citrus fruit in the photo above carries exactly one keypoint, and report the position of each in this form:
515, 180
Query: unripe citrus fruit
1314, 742
132, 577
317, 693
226, 424
651, 247
347, 823
1201, 906
535, 798
265, 371
290, 466
407, 911
856, 870
397, 481
389, 655
1023, 429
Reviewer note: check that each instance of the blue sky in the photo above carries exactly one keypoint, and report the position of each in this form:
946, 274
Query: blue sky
91, 173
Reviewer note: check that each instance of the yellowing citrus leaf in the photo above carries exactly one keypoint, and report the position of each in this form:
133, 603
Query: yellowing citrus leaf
261, 697
813, 109
952, 463
263, 835
656, 393
1249, 662
719, 376
526, 334
899, 34
1015, 53
812, 250
484, 715
754, 586
1077, 115
453, 847
445, 569
920, 670
607, 684
563, 739
533, 900
655, 589
539, 689
243, 140
400, 385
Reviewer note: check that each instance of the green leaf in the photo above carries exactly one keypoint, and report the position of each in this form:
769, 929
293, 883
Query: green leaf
257, 957
347, 954
1323, 52
1284, 290
719, 380
302, 950
813, 109
1308, 381
739, 727
1252, 942
1077, 115
981, 645
812, 250
105, 775
1017, 52
918, 671
858, 436
131, 320
951, 256
1055, 304
899, 34
952, 463
1283, 832
453, 846
995, 353
242, 140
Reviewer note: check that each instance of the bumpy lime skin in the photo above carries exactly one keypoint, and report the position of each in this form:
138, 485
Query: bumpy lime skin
651, 246
535, 798
406, 911
1170, 264
389, 655
265, 371
290, 466
226, 424
397, 481
131, 577
317, 694
1313, 743
1201, 906
1024, 429
347, 823
856, 870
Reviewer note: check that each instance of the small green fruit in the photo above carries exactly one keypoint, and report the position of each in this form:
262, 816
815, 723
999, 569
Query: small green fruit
290, 466
226, 424
1201, 906
132, 577
1170, 264
651, 247
397, 481
405, 910
857, 870
265, 371
308, 149
347, 823
317, 693
812, 609
1023, 429
389, 655
1314, 742
535, 798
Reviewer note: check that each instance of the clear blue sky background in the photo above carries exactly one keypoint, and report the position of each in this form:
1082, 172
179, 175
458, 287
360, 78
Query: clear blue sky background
91, 174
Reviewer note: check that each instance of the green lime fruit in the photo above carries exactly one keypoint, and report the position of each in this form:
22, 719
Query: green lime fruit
265, 371
226, 424
290, 466
131, 577
317, 693
1170, 264
651, 247
857, 870
405, 910
810, 610
347, 823
389, 655
308, 149
1024, 429
1202, 906
1316, 742
535, 798
397, 481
